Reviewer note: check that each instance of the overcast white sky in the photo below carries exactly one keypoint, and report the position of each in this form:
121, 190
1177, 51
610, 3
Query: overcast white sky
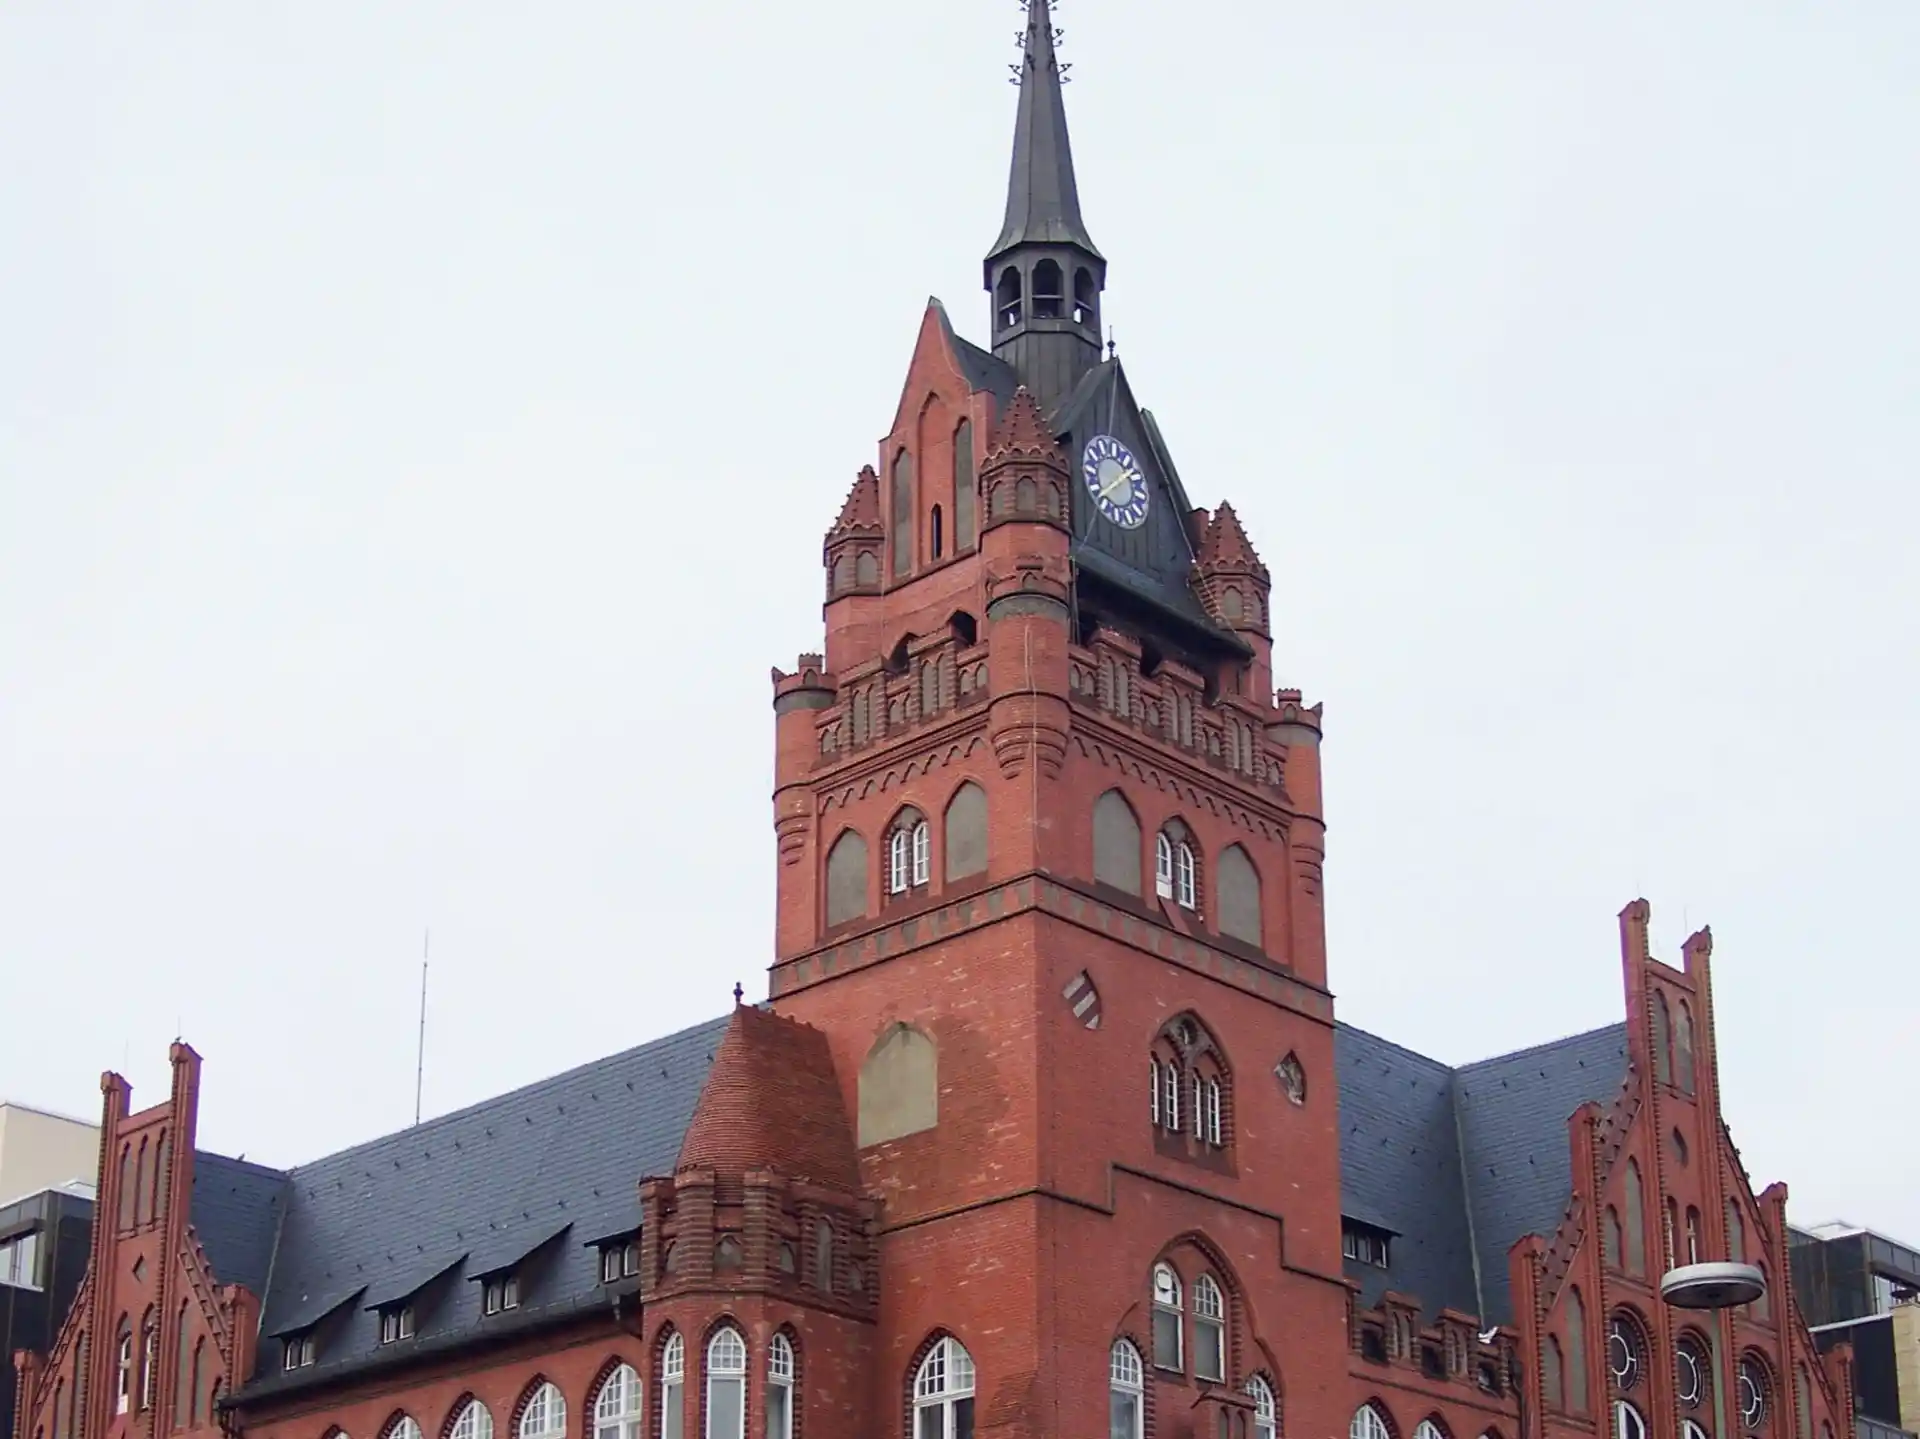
417, 425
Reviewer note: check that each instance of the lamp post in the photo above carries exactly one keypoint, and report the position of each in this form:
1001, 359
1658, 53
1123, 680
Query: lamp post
1718, 1285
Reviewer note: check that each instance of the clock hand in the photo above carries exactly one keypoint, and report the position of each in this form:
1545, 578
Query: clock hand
1121, 481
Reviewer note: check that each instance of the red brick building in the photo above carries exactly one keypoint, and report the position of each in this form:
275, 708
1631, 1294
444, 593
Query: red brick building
1047, 1126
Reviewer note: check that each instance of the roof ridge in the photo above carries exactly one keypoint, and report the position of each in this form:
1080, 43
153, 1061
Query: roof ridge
252, 1165
1340, 1024
1619, 1025
718, 1025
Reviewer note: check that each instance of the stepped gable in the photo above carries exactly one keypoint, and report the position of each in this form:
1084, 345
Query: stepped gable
772, 1102
1459, 1164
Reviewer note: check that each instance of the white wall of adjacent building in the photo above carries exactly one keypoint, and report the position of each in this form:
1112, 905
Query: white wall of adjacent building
39, 1150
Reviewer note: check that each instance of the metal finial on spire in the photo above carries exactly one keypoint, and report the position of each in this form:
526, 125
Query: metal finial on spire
739, 993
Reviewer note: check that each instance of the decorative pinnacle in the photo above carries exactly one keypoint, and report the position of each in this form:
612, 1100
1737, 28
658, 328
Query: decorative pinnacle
739, 993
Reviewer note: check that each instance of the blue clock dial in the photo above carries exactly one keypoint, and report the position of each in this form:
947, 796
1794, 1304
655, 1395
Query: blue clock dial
1116, 482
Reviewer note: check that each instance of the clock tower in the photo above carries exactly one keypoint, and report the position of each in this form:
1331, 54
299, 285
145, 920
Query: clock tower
1049, 847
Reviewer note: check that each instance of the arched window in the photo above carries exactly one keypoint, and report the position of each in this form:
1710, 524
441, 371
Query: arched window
1086, 303
1627, 1423
545, 1414
1695, 1253
943, 1393
1690, 1370
1168, 1324
127, 1186
1049, 291
1209, 1330
936, 538
780, 1377
1802, 1403
1683, 1048
1183, 872
1553, 1370
161, 1152
404, 1428
1756, 1393
143, 1187
1662, 1041
726, 1385
1126, 1392
475, 1422
1163, 865
1210, 1121
1266, 1410
846, 879
1189, 1079
902, 502
966, 833
182, 1377
1736, 1234
673, 1379
1368, 1423
1576, 1352
1116, 843
149, 1357
1635, 1201
1763, 1306
1611, 1237
1670, 1231
63, 1413
909, 853
964, 483
123, 1367
1006, 296
1427, 1429
199, 1413
1236, 897
823, 1256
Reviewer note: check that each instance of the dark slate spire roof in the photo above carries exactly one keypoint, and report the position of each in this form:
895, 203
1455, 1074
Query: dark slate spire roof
1043, 203
1459, 1164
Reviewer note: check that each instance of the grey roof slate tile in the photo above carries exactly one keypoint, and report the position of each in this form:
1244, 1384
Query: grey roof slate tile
1461, 1163
236, 1209
384, 1218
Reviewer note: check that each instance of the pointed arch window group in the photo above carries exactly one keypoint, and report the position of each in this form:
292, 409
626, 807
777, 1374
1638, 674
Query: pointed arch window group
1231, 891
1187, 1085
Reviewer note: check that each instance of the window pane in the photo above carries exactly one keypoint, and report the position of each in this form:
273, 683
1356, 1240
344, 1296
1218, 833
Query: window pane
1208, 1339
963, 1418
779, 1412
725, 1416
933, 1422
672, 1411
1166, 1339
1124, 1421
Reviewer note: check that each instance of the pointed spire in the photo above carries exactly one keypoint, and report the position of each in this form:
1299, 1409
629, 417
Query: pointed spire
861, 512
1024, 432
1226, 544
1043, 203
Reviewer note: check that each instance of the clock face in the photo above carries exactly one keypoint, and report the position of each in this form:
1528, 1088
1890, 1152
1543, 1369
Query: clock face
1116, 482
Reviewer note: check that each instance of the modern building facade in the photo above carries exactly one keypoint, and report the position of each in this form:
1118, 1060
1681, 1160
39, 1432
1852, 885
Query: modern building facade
1862, 1289
40, 1150
45, 1239
1047, 1126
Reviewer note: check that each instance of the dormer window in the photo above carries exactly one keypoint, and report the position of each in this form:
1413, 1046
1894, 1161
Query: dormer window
297, 1351
396, 1323
500, 1293
1363, 1244
619, 1261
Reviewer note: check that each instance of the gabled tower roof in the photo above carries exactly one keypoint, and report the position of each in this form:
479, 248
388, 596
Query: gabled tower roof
1043, 203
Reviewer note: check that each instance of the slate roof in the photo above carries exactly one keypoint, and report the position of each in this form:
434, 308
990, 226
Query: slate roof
554, 1166
1459, 1164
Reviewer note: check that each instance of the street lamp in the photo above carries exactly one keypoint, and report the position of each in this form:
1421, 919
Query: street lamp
1712, 1286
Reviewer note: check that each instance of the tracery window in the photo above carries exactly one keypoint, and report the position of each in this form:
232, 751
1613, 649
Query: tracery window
943, 1393
1188, 1084
545, 1416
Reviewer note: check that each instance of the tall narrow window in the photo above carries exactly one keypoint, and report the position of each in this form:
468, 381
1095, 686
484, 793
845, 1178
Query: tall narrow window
1209, 1330
198, 1414
1553, 1374
123, 1368
1576, 1353
1635, 1200
1266, 1410
965, 844
1153, 1087
161, 1153
780, 1378
1662, 1040
846, 879
1736, 1234
149, 1356
1116, 843
1126, 1392
1170, 1097
726, 1386
143, 1188
963, 487
823, 1256
922, 853
1168, 1323
1183, 886
1694, 1251
1212, 1129
936, 540
673, 1378
1163, 865
127, 1186
1610, 1237
943, 1393
902, 499
1683, 1048
1235, 889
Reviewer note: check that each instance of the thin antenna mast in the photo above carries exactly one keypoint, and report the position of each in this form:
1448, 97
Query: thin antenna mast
420, 1064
